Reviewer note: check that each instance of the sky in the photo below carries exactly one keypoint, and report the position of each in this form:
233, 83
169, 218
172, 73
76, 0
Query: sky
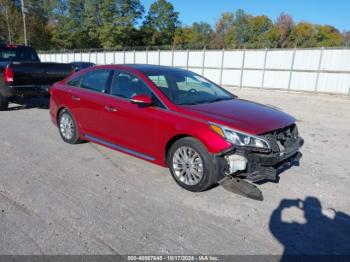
335, 12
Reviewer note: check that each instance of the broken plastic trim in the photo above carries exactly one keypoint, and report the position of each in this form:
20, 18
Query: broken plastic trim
241, 187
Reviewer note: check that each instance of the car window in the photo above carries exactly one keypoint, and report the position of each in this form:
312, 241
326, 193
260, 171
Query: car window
186, 88
161, 83
18, 54
159, 80
127, 85
75, 81
96, 81
195, 84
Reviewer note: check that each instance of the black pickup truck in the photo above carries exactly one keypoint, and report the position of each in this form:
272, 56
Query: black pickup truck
23, 75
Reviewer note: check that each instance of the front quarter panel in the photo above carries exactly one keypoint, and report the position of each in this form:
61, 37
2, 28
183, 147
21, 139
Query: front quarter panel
179, 125
201, 130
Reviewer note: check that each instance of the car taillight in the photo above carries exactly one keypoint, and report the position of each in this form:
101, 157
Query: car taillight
8, 74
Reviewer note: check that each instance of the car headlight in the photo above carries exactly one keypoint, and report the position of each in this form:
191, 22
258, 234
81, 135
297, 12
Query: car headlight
239, 138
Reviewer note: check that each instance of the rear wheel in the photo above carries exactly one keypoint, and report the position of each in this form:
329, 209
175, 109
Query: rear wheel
191, 165
68, 127
4, 102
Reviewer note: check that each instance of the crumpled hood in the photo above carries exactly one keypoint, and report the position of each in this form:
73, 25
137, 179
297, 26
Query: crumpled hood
243, 115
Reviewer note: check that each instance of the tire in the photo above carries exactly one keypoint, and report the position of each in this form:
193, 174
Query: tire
4, 103
192, 180
67, 127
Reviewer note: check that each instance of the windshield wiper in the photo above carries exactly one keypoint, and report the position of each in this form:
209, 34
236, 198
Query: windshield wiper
189, 103
217, 99
207, 101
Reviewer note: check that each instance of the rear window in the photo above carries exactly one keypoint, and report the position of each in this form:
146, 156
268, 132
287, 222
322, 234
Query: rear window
96, 80
18, 54
75, 81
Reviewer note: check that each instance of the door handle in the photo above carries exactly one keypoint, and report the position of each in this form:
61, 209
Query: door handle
76, 98
111, 109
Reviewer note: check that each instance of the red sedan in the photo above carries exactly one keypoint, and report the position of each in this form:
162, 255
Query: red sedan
174, 118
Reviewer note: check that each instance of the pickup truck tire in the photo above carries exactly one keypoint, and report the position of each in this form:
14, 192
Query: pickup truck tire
67, 127
4, 103
191, 165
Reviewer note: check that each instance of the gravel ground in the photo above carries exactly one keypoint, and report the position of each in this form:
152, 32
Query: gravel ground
57, 198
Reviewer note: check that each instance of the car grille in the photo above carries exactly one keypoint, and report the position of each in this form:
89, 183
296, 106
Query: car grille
282, 138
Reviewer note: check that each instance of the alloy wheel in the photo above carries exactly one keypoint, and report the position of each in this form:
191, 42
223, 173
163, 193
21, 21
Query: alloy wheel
188, 165
67, 126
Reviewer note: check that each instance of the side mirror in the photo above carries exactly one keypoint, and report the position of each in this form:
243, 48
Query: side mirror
142, 100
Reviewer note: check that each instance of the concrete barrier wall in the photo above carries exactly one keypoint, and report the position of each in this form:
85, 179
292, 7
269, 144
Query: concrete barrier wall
315, 70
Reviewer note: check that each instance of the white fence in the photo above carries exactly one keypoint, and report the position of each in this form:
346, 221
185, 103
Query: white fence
316, 70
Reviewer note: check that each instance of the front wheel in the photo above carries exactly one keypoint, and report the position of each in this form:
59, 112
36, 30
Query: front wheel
68, 127
191, 165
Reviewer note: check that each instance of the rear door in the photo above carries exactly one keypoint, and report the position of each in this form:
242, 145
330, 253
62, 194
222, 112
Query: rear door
88, 102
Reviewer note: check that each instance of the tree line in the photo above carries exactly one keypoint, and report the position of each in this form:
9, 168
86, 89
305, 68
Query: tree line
92, 24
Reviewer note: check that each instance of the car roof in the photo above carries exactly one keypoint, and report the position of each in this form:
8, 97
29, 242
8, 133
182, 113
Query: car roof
152, 68
144, 69
80, 62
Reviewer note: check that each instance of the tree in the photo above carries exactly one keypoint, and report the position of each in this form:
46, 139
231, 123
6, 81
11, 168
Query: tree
183, 36
272, 37
224, 31
160, 23
237, 30
82, 24
95, 23
118, 21
37, 19
66, 21
328, 36
6, 32
12, 23
202, 34
303, 35
198, 35
284, 25
58, 23
257, 35
10, 20
241, 24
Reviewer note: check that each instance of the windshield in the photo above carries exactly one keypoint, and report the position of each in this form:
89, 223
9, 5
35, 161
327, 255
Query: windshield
8, 54
187, 88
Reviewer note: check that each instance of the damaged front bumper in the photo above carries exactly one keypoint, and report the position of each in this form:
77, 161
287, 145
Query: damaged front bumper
254, 165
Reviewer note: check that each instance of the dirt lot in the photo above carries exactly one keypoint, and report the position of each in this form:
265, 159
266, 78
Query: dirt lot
57, 198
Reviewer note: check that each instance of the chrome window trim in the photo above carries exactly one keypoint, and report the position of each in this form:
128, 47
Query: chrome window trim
166, 108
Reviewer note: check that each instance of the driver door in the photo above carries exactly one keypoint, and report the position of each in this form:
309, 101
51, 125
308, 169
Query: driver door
133, 127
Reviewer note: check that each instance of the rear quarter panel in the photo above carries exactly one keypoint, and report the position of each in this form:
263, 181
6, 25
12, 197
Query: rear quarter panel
58, 100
